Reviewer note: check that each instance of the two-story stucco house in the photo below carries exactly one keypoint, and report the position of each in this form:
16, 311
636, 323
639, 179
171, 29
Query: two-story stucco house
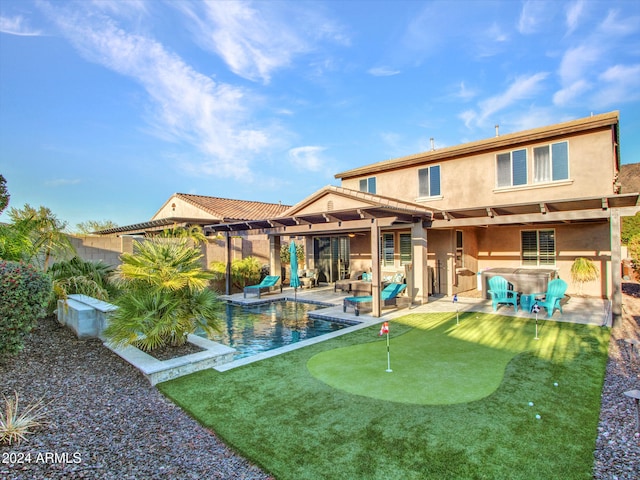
530, 202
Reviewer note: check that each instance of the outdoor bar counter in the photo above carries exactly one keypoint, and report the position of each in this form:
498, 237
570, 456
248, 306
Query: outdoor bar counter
524, 280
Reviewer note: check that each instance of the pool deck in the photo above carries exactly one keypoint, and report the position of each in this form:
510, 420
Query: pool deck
584, 310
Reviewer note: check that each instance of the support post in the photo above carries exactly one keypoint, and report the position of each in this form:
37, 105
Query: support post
375, 268
227, 281
616, 269
420, 285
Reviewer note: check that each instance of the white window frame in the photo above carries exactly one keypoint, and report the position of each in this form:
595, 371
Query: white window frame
369, 184
546, 173
502, 176
430, 169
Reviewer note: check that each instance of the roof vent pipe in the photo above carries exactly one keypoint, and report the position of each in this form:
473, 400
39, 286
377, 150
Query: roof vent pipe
497, 130
433, 145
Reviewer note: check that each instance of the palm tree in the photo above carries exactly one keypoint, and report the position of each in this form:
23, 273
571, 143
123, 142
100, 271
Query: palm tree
165, 296
194, 232
80, 276
35, 235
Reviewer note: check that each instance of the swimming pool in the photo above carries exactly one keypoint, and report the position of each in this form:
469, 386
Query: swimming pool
258, 328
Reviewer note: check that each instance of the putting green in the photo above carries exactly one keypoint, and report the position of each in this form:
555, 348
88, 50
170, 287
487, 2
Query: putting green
437, 362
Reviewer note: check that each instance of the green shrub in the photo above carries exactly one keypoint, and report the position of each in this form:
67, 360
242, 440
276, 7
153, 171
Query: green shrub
243, 272
24, 293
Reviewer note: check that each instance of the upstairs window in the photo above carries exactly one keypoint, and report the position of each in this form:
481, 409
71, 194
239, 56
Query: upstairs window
551, 162
368, 185
512, 168
538, 247
429, 181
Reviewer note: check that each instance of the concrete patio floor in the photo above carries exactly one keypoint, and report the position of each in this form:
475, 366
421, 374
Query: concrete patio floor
585, 310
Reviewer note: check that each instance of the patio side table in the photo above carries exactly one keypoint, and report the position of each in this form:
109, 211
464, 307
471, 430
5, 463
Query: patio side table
527, 300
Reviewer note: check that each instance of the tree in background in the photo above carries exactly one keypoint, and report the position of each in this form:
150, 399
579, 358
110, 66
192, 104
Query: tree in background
630, 227
91, 226
34, 236
193, 232
4, 194
243, 272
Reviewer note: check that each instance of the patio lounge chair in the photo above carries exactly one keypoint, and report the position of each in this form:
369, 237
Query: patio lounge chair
266, 285
555, 293
387, 297
345, 284
501, 293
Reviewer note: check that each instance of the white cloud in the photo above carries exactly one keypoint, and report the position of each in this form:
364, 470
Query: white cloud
578, 61
186, 106
566, 95
522, 88
383, 71
574, 12
468, 117
465, 93
532, 16
620, 84
257, 39
307, 158
17, 26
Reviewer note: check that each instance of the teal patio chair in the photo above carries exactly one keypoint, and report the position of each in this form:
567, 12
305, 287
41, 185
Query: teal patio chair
501, 293
266, 284
555, 292
387, 297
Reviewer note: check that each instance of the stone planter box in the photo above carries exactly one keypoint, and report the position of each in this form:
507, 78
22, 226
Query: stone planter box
88, 317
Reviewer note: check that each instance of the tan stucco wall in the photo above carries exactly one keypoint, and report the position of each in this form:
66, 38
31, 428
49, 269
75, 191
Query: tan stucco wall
500, 248
182, 210
470, 181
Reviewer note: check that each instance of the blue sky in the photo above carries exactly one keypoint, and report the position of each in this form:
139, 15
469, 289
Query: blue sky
107, 107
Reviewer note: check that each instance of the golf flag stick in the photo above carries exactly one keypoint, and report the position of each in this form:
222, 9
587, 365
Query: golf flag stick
385, 330
535, 309
455, 300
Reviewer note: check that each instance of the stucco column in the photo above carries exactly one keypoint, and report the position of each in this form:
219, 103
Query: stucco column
227, 258
420, 273
375, 268
275, 265
616, 269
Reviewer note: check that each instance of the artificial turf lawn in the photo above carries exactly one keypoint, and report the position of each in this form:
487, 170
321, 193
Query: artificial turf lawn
296, 426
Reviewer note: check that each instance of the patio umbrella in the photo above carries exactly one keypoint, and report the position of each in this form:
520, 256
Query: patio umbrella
293, 263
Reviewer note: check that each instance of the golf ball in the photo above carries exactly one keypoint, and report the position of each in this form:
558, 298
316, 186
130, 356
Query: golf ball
555, 384
531, 404
538, 416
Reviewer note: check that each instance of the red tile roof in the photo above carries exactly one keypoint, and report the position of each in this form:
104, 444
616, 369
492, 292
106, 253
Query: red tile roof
226, 209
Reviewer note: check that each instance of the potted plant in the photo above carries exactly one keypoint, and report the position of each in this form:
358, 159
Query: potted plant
583, 270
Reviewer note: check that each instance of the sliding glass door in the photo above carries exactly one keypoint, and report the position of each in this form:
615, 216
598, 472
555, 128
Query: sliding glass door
331, 257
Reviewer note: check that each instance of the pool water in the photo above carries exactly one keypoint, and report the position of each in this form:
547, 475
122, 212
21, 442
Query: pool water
258, 328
